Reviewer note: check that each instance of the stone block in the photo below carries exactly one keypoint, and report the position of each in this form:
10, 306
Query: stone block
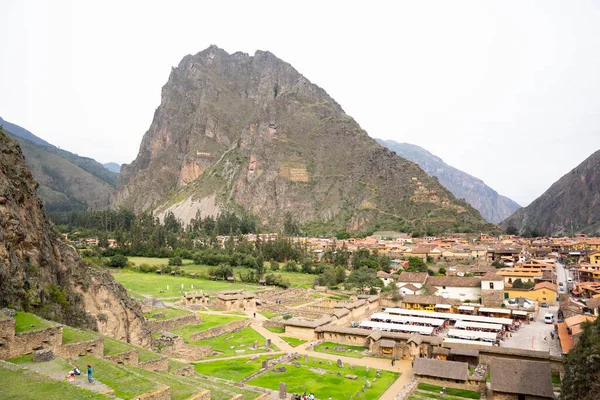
42, 355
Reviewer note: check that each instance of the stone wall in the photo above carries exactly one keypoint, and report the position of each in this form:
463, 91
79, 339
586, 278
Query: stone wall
126, 358
27, 342
273, 324
492, 298
205, 395
344, 338
237, 397
172, 323
163, 393
300, 332
186, 352
94, 347
7, 336
220, 330
161, 364
264, 396
475, 386
185, 371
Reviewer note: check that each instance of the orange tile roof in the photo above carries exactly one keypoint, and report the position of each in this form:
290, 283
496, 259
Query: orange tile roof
545, 285
566, 341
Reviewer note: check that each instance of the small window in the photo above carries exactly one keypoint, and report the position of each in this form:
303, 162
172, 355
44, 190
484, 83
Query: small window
443, 287
491, 285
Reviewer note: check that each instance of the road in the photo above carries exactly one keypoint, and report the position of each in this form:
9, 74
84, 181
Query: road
561, 276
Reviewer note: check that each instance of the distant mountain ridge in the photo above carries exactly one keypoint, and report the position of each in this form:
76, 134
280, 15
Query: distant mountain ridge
250, 134
112, 167
67, 182
570, 205
23, 133
491, 205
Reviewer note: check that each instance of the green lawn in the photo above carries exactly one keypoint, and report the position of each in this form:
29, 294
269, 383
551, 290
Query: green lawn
28, 322
26, 358
469, 394
113, 346
556, 380
297, 279
234, 370
29, 385
329, 384
174, 365
71, 335
268, 314
125, 384
208, 321
169, 313
241, 340
275, 330
353, 351
154, 261
140, 285
293, 341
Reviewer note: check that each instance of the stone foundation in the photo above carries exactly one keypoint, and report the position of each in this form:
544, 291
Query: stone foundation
28, 342
172, 323
94, 347
163, 393
161, 364
205, 395
185, 371
186, 352
126, 358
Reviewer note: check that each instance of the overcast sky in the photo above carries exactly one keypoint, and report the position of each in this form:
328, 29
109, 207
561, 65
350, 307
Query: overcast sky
506, 91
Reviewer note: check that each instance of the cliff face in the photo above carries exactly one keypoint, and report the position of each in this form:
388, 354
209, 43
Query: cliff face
571, 204
250, 133
491, 205
39, 273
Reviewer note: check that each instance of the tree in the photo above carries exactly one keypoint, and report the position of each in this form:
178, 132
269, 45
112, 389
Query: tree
416, 264
442, 271
518, 284
512, 230
582, 379
362, 278
118, 261
290, 227
175, 261
274, 265
342, 234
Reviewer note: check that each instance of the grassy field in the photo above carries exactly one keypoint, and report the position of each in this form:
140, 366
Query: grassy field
113, 346
234, 370
154, 261
71, 335
140, 285
469, 394
353, 351
208, 321
29, 385
323, 381
241, 340
169, 313
28, 322
293, 341
297, 279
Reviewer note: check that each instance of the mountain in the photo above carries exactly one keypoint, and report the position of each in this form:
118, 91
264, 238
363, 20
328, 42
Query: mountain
250, 134
23, 133
67, 181
41, 274
571, 204
491, 205
112, 167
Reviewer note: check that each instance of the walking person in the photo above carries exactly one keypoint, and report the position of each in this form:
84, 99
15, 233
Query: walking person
89, 371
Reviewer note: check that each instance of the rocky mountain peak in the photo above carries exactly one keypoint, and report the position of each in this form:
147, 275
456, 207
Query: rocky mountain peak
252, 134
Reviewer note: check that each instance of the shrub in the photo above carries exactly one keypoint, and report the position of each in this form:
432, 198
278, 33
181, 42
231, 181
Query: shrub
176, 261
118, 261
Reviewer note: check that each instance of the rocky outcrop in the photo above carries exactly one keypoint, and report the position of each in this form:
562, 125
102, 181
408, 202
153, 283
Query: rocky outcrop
251, 133
492, 206
39, 273
570, 205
